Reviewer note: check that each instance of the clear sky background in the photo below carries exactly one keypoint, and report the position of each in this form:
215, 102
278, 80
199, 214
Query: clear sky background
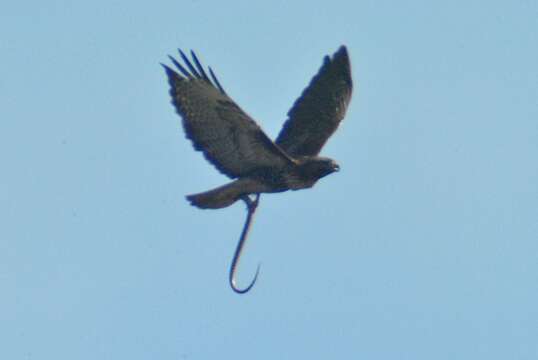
424, 245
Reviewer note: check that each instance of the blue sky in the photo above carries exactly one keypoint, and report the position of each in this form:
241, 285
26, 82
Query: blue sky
424, 245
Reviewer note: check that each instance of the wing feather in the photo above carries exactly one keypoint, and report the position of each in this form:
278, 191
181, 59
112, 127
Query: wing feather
316, 114
217, 126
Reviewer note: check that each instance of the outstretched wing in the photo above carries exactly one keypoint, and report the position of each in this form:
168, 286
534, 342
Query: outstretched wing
317, 113
226, 135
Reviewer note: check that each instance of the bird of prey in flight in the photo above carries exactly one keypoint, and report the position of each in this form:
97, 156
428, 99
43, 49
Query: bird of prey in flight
236, 145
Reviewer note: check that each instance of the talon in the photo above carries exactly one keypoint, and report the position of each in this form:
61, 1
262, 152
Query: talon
251, 204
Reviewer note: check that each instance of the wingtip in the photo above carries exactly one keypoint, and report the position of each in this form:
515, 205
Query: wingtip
342, 51
181, 52
195, 71
199, 66
169, 71
215, 80
180, 67
341, 56
166, 67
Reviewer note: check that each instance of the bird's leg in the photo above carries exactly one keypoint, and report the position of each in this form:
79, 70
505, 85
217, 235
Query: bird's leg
251, 204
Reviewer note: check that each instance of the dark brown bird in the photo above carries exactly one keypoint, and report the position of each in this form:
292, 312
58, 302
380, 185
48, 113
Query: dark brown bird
234, 143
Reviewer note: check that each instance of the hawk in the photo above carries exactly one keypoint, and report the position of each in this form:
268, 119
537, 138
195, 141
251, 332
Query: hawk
236, 145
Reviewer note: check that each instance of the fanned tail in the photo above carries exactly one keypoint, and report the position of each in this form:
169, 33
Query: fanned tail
218, 198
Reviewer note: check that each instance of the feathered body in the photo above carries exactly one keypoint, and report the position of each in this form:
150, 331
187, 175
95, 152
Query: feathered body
236, 145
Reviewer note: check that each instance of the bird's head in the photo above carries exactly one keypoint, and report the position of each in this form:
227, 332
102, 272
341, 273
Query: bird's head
318, 167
